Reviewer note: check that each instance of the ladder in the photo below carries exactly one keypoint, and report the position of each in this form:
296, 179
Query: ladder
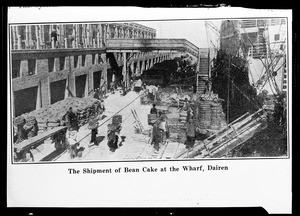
137, 120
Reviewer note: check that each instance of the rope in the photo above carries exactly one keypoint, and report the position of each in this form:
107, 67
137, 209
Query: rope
111, 117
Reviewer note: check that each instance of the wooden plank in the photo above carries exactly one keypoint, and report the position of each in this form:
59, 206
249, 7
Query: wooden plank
170, 150
39, 138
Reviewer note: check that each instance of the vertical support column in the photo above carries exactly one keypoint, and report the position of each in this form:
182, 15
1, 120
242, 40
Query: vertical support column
104, 34
56, 64
61, 36
70, 85
108, 32
88, 35
23, 68
43, 36
14, 37
82, 36
147, 64
115, 32
143, 66
104, 69
138, 69
39, 97
90, 76
41, 30
37, 31
132, 67
66, 43
76, 35
19, 42
122, 33
30, 36
44, 96
124, 69
26, 36
99, 31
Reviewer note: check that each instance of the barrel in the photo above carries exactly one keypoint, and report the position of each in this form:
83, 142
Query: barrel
117, 119
19, 120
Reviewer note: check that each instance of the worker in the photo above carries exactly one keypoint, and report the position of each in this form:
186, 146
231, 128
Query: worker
123, 88
131, 84
102, 86
112, 87
156, 136
153, 110
279, 110
186, 104
72, 120
93, 126
97, 94
154, 93
190, 114
164, 128
21, 133
31, 130
73, 144
190, 134
54, 36
262, 97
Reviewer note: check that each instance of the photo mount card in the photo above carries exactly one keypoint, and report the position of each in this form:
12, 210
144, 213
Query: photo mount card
149, 107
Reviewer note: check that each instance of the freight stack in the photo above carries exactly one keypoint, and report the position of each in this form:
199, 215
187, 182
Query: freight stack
209, 113
182, 116
53, 116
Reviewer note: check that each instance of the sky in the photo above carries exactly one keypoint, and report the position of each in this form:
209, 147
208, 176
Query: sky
192, 30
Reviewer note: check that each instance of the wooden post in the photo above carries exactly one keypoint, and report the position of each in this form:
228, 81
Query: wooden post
37, 30
99, 44
19, 42
88, 34
52, 43
14, 37
104, 70
66, 43
76, 35
124, 69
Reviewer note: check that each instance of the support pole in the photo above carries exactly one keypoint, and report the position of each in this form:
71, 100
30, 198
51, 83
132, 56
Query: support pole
124, 69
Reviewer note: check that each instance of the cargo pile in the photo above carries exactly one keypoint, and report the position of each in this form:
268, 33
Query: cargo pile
53, 116
182, 116
209, 113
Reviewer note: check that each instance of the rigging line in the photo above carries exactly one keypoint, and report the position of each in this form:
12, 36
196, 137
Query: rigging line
252, 44
278, 31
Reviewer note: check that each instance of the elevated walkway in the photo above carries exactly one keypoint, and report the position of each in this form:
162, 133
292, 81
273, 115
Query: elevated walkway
147, 45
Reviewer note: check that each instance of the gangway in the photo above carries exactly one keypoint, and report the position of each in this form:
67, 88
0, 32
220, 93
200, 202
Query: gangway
233, 135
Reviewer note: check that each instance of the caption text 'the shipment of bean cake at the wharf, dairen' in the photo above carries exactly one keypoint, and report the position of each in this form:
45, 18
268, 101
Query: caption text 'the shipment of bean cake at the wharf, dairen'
147, 169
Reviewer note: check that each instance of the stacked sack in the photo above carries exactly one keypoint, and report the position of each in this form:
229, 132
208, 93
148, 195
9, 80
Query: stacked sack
204, 115
54, 115
182, 116
216, 112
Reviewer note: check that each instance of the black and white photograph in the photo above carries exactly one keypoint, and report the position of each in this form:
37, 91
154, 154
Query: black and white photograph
200, 88
144, 90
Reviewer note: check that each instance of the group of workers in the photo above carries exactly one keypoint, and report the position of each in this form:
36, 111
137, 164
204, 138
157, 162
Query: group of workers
25, 131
